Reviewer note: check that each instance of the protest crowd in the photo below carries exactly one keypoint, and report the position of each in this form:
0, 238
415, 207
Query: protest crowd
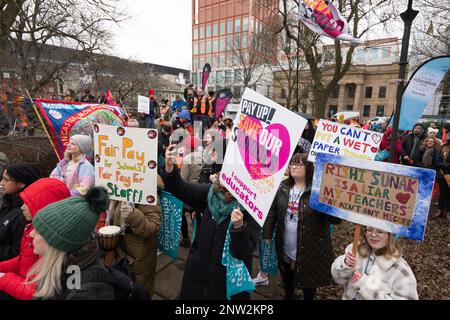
50, 227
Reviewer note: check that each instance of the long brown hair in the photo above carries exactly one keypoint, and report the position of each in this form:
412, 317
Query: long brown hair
309, 168
392, 248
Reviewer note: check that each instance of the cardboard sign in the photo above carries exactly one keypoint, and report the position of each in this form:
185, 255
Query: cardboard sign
265, 135
390, 197
144, 104
126, 163
343, 140
169, 232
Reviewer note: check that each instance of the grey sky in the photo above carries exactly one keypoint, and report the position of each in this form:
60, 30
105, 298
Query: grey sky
158, 32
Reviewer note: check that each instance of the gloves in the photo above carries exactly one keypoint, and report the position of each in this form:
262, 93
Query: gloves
126, 209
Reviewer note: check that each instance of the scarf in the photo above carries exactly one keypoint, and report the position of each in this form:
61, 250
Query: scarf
219, 209
427, 158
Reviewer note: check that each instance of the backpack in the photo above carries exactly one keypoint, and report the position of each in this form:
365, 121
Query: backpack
119, 277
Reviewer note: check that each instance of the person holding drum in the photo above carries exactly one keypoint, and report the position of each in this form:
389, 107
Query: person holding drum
35, 197
205, 277
75, 170
63, 239
140, 225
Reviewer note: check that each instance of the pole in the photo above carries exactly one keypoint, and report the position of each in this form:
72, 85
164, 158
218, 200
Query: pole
407, 17
43, 125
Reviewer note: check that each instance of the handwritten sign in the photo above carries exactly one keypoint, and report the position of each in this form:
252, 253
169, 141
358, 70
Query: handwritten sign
265, 135
343, 140
390, 197
144, 104
169, 232
125, 163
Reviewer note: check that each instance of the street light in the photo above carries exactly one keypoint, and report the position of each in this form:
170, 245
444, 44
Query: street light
407, 16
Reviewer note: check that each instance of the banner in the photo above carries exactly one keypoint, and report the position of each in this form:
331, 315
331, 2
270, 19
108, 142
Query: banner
126, 163
386, 196
169, 232
344, 140
268, 261
66, 119
223, 98
205, 75
144, 104
322, 17
421, 89
265, 135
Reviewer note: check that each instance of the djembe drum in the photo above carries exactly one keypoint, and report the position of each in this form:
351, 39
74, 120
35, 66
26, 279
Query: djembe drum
109, 238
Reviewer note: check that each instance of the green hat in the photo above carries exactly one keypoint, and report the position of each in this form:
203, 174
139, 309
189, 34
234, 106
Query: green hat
67, 225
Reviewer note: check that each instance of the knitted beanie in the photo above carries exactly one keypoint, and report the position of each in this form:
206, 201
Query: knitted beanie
67, 225
84, 142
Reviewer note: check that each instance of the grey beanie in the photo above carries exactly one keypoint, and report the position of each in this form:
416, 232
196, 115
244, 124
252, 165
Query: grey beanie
84, 142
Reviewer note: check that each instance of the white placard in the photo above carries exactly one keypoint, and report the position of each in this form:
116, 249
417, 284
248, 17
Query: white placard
144, 104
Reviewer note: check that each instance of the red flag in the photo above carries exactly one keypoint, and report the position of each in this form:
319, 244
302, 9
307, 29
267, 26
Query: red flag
109, 98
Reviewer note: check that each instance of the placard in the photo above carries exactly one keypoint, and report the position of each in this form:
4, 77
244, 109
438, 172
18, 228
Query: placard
144, 104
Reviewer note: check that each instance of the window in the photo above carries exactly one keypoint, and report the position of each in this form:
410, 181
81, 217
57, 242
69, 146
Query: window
195, 33
237, 75
208, 31
361, 54
195, 48
373, 53
202, 47
201, 62
208, 46
245, 24
351, 88
366, 111
202, 32
221, 61
222, 44
380, 111
194, 78
349, 107
51, 89
244, 41
385, 52
214, 61
215, 29
222, 28
335, 93
215, 46
229, 63
220, 77
237, 25
6, 75
368, 92
228, 76
332, 111
212, 77
236, 59
195, 67
230, 26
382, 92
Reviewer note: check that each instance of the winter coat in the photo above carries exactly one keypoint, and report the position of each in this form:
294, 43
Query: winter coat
204, 275
12, 224
191, 166
80, 180
314, 248
407, 145
385, 144
87, 258
387, 279
139, 244
418, 158
35, 197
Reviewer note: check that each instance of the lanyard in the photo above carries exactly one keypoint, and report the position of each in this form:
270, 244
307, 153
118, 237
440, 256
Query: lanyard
371, 260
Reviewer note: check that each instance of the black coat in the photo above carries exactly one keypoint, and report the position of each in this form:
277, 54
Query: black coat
12, 223
314, 248
87, 258
204, 275
407, 145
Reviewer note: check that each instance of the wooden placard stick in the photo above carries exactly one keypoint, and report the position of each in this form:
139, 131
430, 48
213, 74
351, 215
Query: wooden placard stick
356, 238
43, 124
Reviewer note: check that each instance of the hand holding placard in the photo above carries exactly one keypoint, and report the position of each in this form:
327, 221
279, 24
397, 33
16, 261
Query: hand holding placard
170, 153
237, 218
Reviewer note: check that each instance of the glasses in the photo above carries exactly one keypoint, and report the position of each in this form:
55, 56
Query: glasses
375, 231
296, 165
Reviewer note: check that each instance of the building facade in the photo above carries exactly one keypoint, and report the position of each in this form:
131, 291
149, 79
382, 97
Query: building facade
369, 86
221, 31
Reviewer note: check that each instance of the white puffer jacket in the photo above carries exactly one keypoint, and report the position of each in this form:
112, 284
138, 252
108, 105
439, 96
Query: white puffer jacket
382, 279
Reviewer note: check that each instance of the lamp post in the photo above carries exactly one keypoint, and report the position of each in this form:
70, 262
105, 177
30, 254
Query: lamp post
407, 16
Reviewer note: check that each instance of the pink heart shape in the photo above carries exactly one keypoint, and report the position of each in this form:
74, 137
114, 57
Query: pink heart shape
376, 138
258, 160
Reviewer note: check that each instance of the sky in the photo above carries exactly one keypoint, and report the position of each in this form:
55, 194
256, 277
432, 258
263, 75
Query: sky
158, 32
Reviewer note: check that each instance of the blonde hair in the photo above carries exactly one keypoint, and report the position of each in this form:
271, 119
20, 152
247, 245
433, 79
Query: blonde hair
391, 250
47, 273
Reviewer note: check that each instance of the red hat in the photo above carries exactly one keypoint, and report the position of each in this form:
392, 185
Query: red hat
151, 92
43, 192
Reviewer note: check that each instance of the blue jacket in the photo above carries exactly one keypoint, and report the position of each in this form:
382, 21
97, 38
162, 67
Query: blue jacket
178, 104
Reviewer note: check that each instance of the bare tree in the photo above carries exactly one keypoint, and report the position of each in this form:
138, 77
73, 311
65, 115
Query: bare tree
362, 17
46, 36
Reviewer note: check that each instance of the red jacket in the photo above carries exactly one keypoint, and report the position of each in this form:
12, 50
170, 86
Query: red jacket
386, 144
36, 196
